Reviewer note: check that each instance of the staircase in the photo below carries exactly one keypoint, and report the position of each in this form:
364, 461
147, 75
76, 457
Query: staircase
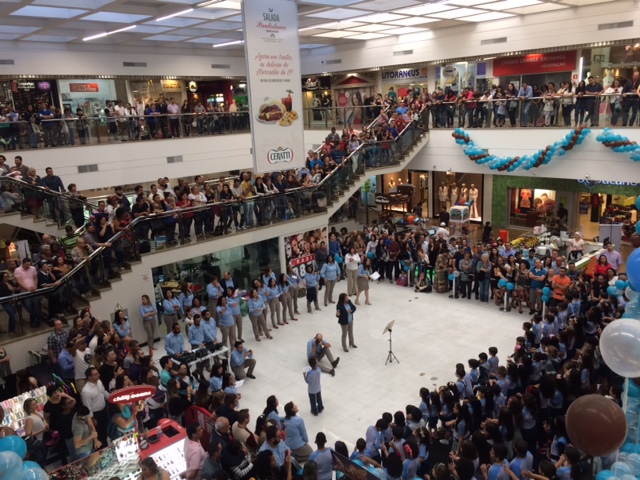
104, 294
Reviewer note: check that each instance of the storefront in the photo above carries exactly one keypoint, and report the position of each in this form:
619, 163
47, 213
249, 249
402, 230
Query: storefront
352, 92
23, 93
89, 94
531, 201
418, 179
451, 189
404, 82
149, 91
460, 75
317, 99
536, 68
219, 93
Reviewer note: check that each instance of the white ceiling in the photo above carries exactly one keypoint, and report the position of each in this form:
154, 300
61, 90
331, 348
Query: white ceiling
322, 22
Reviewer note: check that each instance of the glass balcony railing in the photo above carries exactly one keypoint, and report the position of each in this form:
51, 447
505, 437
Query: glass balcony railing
68, 132
147, 234
605, 110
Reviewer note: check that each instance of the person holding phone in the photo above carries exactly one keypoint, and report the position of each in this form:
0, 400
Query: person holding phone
241, 359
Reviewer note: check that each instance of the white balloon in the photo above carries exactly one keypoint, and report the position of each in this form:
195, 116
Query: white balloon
620, 347
631, 294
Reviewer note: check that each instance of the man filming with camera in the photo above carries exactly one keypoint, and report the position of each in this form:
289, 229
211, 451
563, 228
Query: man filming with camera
318, 349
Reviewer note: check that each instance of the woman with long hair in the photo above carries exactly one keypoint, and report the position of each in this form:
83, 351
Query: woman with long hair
330, 273
256, 308
296, 433
149, 316
344, 311
362, 282
271, 411
286, 301
171, 307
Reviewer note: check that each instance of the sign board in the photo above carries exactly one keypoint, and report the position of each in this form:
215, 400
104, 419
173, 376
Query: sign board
275, 95
383, 199
84, 87
129, 395
171, 85
535, 63
310, 84
404, 75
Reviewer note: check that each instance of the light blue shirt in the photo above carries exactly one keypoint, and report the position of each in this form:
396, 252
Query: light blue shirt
330, 271
324, 460
144, 309
312, 279
226, 317
174, 343
185, 301
296, 432
274, 292
65, 362
213, 291
170, 306
216, 383
313, 380
196, 335
237, 359
264, 294
373, 438
123, 331
279, 452
210, 330
312, 348
276, 418
362, 272
527, 93
266, 278
293, 280
233, 304
256, 306
518, 464
284, 288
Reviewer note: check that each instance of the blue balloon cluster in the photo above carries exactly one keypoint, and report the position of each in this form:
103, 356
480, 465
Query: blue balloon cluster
12, 451
526, 162
632, 151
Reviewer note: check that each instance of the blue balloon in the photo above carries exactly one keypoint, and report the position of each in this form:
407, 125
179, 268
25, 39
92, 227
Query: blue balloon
638, 228
545, 298
633, 460
621, 284
633, 267
546, 291
33, 474
510, 286
612, 291
502, 283
371, 255
638, 203
338, 259
628, 447
634, 389
416, 221
15, 444
26, 465
451, 277
9, 462
604, 475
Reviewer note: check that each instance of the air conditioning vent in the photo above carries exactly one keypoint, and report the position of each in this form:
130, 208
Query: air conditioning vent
403, 52
134, 64
7, 61
611, 26
88, 168
334, 61
176, 159
221, 66
490, 41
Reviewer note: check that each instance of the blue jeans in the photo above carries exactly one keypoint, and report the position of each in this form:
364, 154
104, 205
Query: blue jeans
33, 307
247, 212
484, 289
525, 114
316, 403
12, 313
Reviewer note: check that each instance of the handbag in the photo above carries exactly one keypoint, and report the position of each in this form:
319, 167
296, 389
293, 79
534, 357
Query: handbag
302, 292
194, 124
513, 104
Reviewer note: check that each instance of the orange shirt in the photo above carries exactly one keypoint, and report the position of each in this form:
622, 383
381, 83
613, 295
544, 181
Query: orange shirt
559, 281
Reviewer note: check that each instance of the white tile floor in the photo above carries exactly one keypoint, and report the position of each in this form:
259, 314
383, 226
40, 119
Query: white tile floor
432, 333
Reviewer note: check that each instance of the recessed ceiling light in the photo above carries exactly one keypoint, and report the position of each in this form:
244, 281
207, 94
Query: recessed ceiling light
188, 10
484, 17
226, 44
457, 13
378, 17
424, 9
405, 30
104, 34
368, 36
468, 3
338, 34
410, 21
507, 4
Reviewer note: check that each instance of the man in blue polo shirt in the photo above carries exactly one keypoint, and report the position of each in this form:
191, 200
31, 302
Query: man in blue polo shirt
47, 125
174, 343
338, 154
537, 276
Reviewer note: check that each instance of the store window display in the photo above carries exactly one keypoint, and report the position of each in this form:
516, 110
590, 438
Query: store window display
443, 193
474, 197
458, 190
531, 207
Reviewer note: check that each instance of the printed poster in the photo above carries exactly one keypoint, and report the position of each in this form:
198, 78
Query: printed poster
300, 249
273, 75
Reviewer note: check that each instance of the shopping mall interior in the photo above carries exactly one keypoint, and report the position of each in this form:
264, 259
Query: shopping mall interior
513, 121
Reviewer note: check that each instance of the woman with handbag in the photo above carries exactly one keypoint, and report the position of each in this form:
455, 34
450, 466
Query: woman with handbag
34, 429
344, 311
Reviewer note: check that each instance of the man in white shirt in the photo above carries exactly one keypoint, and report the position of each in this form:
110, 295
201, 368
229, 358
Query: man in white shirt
82, 359
120, 112
94, 397
174, 125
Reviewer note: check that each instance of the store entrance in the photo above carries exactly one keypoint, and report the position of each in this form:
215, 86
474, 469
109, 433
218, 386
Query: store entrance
595, 209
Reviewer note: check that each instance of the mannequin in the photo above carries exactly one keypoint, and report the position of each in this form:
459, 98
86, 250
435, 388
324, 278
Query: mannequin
473, 195
607, 79
453, 193
442, 195
464, 194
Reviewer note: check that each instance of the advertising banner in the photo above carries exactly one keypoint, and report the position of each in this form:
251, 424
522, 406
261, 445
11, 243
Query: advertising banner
535, 63
300, 249
404, 75
273, 75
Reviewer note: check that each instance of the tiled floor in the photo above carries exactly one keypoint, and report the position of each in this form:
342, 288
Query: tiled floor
431, 334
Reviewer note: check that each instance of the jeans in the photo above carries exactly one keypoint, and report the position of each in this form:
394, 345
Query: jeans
12, 312
247, 209
484, 289
316, 403
566, 114
580, 110
33, 307
525, 114
629, 104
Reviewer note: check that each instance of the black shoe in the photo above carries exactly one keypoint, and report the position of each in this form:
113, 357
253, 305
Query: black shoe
333, 372
314, 413
251, 376
335, 363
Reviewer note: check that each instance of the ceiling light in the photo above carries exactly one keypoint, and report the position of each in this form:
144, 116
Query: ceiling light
226, 44
322, 25
508, 4
483, 17
188, 10
104, 34
206, 4
457, 13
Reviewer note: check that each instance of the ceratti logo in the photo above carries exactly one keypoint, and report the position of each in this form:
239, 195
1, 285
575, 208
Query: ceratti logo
280, 155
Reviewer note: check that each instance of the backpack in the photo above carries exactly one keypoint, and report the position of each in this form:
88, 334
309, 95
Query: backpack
112, 429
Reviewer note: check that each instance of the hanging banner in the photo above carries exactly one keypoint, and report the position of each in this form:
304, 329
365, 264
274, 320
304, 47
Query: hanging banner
273, 72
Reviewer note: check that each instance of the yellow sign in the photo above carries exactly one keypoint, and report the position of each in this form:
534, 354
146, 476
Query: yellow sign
171, 84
